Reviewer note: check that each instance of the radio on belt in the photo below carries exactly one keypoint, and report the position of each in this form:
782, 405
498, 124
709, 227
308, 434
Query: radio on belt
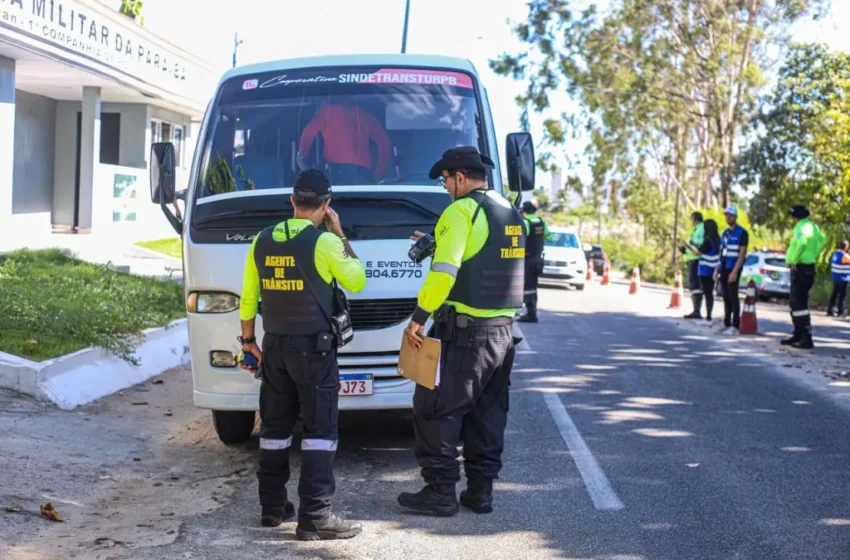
423, 248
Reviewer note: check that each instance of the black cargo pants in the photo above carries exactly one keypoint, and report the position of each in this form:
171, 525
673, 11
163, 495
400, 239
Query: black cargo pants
802, 281
533, 270
470, 405
296, 381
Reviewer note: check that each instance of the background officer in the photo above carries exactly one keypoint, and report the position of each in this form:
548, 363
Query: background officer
692, 258
475, 287
840, 269
292, 265
807, 242
536, 233
733, 251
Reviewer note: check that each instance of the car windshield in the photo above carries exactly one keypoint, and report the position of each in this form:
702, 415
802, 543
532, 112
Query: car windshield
363, 126
777, 262
561, 239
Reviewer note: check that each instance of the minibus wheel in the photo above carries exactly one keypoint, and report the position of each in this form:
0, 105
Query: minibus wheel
233, 426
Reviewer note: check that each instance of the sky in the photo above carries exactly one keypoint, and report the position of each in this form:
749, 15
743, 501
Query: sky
473, 29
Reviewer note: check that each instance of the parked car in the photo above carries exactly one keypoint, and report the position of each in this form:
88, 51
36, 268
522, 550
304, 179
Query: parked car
770, 273
596, 256
564, 262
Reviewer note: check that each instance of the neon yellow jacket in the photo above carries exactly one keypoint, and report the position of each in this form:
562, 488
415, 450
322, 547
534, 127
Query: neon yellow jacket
458, 240
694, 241
807, 242
332, 261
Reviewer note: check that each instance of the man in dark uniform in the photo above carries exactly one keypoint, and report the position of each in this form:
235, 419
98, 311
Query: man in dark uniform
474, 288
292, 266
536, 233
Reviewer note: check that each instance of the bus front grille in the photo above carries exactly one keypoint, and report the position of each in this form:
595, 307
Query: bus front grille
374, 314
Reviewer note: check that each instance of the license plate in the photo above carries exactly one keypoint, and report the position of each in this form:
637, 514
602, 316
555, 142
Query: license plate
356, 385
551, 270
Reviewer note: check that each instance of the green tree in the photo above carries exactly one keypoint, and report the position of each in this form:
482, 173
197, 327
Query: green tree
802, 155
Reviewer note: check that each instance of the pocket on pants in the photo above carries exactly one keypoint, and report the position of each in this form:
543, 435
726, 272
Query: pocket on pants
325, 412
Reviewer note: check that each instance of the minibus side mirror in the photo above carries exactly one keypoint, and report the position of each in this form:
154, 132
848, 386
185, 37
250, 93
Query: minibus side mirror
519, 151
162, 173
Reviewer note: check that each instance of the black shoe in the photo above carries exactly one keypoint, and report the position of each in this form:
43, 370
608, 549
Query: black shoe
436, 499
527, 319
694, 315
329, 529
830, 314
275, 516
794, 339
804, 344
478, 495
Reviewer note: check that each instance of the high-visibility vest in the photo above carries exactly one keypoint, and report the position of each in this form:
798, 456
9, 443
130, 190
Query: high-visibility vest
840, 271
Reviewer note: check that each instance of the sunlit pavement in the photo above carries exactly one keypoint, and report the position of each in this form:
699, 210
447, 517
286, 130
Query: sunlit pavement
629, 438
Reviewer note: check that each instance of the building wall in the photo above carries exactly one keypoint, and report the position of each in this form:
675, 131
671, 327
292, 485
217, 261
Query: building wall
32, 182
134, 145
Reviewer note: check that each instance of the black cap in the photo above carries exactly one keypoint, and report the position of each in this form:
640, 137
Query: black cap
799, 211
312, 182
529, 207
464, 157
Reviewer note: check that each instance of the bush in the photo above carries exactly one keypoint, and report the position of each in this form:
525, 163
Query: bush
52, 304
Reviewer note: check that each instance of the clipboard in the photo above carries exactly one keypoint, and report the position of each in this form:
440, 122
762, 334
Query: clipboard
421, 366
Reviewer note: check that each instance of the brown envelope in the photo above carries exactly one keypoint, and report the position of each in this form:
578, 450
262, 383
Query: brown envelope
421, 365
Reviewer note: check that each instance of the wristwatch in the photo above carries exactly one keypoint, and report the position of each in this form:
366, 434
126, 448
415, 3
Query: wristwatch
246, 339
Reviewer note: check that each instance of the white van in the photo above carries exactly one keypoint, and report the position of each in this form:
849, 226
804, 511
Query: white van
253, 142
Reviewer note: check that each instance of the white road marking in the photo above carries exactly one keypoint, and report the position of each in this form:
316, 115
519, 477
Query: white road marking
595, 481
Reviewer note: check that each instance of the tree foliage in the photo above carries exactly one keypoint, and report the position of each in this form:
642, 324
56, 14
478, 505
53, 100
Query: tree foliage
802, 154
666, 89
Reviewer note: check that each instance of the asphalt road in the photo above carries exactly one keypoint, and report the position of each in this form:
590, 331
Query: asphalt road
629, 438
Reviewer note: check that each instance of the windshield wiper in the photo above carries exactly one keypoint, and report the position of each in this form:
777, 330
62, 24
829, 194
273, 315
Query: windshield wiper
368, 201
243, 214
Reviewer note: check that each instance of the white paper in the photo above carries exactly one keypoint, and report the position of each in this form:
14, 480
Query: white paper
437, 377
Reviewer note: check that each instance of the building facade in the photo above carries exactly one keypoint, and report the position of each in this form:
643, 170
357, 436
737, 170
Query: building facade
84, 91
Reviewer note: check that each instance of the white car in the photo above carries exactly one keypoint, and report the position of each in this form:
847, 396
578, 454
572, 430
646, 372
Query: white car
564, 262
770, 273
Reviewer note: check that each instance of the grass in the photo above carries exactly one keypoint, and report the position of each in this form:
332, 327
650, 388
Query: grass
172, 246
52, 304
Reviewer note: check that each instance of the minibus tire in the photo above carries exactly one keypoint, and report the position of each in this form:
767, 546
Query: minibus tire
234, 426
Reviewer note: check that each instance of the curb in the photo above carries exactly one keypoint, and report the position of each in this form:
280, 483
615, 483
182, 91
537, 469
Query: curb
170, 263
87, 375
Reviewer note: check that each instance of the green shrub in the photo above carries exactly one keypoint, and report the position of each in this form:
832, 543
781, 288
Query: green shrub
52, 304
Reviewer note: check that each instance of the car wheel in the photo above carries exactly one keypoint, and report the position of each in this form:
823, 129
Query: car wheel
580, 287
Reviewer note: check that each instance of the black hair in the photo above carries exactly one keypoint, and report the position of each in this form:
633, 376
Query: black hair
843, 245
712, 232
697, 216
309, 200
474, 174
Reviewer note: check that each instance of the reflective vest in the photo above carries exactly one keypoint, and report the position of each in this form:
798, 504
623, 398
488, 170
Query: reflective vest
730, 247
288, 305
840, 271
534, 240
494, 277
709, 261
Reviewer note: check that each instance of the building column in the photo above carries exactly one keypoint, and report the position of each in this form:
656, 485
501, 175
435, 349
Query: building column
89, 155
7, 138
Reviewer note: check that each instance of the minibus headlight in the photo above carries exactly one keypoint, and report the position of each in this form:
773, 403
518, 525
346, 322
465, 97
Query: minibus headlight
212, 302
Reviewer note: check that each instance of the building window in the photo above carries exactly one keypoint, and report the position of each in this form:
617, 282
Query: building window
110, 138
166, 132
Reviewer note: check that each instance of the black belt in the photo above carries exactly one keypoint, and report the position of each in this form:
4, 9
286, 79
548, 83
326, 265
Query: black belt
467, 321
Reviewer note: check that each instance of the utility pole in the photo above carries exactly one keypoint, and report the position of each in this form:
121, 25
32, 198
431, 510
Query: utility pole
404, 31
236, 42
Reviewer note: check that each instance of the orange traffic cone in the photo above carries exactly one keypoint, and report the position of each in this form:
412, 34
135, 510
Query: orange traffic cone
589, 275
605, 279
634, 287
749, 323
678, 294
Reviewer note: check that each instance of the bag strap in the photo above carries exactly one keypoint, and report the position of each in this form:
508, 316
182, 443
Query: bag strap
326, 313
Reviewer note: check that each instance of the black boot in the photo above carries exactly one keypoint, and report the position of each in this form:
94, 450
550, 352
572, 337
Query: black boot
275, 516
328, 529
790, 341
530, 309
805, 343
478, 495
436, 499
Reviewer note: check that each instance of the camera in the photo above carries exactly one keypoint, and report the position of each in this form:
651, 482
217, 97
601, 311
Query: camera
423, 248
